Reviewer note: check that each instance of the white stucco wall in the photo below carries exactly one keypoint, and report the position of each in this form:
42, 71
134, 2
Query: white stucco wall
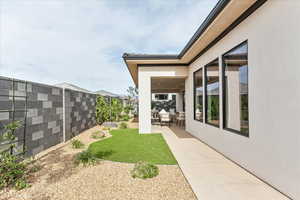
272, 152
179, 102
145, 74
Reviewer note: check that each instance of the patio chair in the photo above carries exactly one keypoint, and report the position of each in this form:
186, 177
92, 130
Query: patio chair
172, 115
180, 120
199, 114
154, 117
165, 118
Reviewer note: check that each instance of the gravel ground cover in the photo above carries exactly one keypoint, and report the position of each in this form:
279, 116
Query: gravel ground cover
59, 179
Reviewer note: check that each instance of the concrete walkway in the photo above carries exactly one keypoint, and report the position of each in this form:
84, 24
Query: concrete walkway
211, 175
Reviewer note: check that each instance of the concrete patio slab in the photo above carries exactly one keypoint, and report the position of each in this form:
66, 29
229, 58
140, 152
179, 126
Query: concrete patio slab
210, 174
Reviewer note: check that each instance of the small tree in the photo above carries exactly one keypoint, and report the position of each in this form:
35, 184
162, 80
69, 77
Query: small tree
132, 92
127, 109
132, 98
116, 109
102, 110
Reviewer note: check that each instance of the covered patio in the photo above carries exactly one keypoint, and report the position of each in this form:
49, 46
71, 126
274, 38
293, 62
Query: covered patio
170, 111
159, 79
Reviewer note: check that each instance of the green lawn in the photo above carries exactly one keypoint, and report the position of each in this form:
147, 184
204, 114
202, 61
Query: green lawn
127, 145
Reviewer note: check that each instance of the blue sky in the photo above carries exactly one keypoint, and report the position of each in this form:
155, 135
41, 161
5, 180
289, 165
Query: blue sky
82, 42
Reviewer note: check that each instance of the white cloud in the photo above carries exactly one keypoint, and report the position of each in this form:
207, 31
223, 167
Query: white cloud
82, 42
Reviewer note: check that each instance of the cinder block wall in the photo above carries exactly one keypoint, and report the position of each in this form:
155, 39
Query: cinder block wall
44, 126
6, 106
80, 112
44, 123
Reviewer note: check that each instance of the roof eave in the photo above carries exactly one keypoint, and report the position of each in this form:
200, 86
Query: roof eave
127, 56
219, 7
209, 19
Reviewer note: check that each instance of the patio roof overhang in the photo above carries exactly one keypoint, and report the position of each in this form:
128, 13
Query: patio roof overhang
224, 17
167, 85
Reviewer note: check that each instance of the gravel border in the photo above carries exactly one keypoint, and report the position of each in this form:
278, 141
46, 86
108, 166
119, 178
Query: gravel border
59, 179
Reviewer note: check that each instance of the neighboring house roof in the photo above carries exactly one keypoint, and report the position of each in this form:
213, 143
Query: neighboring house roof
72, 87
106, 93
100, 92
223, 18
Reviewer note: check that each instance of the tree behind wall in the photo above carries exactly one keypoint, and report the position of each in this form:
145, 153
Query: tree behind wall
102, 110
132, 99
116, 109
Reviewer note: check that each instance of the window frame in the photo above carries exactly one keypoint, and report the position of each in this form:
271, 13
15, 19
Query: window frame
194, 87
224, 90
205, 93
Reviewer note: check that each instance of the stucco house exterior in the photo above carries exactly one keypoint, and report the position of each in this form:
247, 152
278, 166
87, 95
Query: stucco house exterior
240, 73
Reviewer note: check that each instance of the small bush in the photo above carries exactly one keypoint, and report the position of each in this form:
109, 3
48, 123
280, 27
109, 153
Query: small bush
77, 144
12, 172
34, 168
123, 125
97, 135
32, 165
85, 158
21, 184
144, 170
106, 128
125, 118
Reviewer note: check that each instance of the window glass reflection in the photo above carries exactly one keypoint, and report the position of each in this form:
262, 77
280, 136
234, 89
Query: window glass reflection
212, 93
236, 90
198, 91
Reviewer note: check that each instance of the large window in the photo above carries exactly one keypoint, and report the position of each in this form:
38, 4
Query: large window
212, 93
198, 95
235, 91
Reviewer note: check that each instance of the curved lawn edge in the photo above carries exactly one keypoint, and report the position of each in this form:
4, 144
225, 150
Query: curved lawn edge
128, 146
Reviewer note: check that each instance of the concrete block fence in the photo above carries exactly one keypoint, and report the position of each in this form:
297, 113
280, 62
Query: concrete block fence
80, 112
50, 115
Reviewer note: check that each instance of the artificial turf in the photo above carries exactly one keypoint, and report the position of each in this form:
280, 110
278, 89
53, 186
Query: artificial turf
127, 145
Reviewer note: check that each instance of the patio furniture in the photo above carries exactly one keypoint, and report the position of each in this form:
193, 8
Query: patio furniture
165, 118
172, 111
199, 115
155, 117
180, 120
172, 115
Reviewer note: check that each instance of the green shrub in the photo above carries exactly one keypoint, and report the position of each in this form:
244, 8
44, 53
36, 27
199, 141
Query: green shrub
34, 168
21, 184
144, 170
123, 125
106, 128
77, 144
8, 135
85, 158
125, 118
97, 135
12, 172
